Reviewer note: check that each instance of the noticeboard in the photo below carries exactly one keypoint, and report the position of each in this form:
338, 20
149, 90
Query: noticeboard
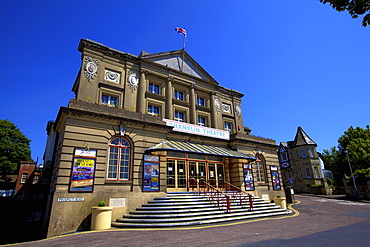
151, 173
83, 171
275, 178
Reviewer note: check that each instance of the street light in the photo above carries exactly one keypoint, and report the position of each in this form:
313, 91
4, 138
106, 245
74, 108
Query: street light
353, 177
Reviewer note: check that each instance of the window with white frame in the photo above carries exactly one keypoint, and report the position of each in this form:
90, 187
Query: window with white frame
119, 159
153, 110
202, 121
24, 178
201, 101
154, 88
109, 100
317, 173
310, 151
180, 116
179, 95
228, 126
300, 173
260, 169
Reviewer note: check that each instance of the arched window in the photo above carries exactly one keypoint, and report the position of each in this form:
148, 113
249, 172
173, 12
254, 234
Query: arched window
119, 159
260, 169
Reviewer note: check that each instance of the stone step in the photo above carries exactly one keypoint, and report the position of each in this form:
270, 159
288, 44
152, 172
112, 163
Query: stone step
211, 220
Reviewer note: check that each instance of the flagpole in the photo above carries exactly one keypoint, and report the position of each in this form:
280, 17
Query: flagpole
183, 53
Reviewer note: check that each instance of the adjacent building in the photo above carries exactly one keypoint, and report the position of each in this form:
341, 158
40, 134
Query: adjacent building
301, 165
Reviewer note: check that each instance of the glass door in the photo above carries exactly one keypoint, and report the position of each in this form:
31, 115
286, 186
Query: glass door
176, 175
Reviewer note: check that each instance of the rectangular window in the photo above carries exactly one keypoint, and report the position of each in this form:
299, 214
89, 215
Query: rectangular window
153, 110
201, 101
296, 154
179, 116
304, 154
308, 172
310, 151
179, 95
109, 100
153, 88
228, 126
202, 121
300, 173
283, 156
35, 179
317, 173
24, 178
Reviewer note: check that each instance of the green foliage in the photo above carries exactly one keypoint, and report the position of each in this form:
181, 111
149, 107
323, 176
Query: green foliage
357, 142
362, 176
354, 7
314, 185
331, 182
14, 147
102, 204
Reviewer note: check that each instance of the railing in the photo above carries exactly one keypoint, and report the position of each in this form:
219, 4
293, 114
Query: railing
238, 194
222, 196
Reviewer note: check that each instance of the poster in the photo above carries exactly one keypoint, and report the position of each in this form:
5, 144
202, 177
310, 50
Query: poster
151, 173
83, 169
275, 178
248, 177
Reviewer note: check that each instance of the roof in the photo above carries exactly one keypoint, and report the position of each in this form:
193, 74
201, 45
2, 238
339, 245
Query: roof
302, 138
182, 146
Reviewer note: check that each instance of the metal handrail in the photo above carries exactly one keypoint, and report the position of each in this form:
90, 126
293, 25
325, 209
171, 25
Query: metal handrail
217, 195
232, 188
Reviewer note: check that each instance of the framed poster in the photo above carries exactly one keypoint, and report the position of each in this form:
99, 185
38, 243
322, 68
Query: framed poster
151, 173
275, 178
83, 171
248, 177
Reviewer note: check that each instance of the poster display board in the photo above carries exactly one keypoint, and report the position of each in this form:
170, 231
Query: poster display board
248, 177
83, 171
275, 178
151, 173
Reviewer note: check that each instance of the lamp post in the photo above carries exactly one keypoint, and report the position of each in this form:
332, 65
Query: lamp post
353, 177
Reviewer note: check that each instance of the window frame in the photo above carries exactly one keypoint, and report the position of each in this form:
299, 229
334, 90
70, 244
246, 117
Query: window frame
230, 125
154, 113
116, 168
176, 118
152, 88
179, 95
260, 168
201, 101
109, 100
200, 117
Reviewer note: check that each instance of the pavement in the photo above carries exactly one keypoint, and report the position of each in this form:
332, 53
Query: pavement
316, 221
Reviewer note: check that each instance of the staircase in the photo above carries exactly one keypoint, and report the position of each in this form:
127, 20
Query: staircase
181, 209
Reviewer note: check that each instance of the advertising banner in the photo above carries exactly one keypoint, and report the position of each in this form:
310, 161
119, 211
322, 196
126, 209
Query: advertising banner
275, 178
83, 170
151, 173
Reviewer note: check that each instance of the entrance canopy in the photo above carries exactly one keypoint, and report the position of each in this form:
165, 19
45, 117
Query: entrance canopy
199, 148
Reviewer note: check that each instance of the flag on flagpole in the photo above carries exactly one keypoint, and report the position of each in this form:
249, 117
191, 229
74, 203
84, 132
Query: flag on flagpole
181, 30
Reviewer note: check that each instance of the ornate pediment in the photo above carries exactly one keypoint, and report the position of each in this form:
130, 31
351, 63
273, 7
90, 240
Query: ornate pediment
179, 60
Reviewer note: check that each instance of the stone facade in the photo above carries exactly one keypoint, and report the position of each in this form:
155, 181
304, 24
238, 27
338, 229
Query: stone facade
133, 99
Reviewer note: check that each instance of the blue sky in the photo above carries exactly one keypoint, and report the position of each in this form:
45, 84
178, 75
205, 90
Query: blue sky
298, 63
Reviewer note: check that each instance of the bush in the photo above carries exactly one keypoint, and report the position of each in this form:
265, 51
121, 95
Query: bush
102, 204
314, 185
362, 176
331, 182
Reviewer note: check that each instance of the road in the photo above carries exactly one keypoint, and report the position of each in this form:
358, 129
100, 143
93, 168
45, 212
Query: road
317, 222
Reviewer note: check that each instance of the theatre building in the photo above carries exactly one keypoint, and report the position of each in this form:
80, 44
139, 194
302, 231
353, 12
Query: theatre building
142, 126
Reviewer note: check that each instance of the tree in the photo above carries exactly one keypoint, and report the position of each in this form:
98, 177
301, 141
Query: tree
14, 147
354, 7
357, 142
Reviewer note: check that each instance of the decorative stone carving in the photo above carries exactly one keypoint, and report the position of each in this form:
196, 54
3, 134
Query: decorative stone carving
112, 76
91, 68
238, 110
133, 80
226, 108
217, 104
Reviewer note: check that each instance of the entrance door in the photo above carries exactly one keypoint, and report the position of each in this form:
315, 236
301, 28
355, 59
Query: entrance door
176, 175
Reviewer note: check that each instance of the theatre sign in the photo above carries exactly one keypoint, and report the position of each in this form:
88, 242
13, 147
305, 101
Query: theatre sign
197, 130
